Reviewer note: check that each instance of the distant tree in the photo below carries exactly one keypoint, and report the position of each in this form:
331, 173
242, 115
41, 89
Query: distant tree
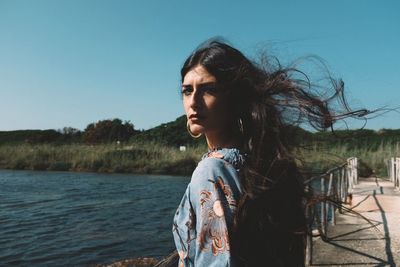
45, 136
70, 135
173, 133
69, 131
105, 131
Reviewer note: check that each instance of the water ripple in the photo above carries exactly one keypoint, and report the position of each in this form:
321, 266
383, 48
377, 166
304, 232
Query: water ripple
81, 219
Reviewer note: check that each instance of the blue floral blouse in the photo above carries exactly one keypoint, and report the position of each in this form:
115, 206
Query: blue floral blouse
203, 220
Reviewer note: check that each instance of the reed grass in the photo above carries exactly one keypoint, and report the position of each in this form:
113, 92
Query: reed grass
133, 158
372, 161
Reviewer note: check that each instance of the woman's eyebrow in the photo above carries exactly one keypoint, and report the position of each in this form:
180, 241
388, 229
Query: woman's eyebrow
200, 84
186, 85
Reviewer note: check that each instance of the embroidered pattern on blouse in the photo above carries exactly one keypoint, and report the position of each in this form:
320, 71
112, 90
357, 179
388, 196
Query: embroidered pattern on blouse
214, 231
191, 223
231, 156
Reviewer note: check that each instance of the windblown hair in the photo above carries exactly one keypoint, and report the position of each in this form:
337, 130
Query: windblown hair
270, 225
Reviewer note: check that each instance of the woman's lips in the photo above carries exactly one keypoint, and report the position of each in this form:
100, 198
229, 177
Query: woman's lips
196, 117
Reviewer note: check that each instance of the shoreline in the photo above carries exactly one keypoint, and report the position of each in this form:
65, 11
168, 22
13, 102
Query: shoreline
155, 172
96, 172
136, 262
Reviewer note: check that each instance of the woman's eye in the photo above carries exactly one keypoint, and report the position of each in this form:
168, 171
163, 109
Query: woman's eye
207, 89
186, 90
211, 89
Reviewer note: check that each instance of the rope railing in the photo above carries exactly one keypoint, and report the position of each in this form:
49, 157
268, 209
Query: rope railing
329, 191
394, 172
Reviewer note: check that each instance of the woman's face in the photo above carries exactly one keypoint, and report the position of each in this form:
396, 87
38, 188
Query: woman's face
205, 105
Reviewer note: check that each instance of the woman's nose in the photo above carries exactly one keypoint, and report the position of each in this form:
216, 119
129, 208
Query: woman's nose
195, 99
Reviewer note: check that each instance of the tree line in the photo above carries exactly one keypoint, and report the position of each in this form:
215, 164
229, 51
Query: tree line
103, 131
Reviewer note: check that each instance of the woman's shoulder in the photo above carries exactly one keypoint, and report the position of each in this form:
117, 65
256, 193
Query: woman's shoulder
218, 163
209, 168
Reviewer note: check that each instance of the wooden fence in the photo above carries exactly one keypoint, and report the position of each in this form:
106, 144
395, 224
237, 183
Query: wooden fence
329, 191
394, 172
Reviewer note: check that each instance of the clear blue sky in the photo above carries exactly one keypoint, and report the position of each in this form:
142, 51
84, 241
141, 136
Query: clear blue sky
73, 62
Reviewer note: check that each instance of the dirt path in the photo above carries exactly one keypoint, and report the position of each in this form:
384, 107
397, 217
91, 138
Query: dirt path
354, 241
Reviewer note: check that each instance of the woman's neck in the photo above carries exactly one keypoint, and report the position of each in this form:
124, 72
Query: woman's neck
222, 140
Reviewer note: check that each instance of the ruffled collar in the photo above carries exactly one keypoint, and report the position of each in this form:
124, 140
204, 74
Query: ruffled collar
231, 155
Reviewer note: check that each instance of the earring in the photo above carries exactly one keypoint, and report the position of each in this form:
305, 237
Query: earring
240, 125
191, 134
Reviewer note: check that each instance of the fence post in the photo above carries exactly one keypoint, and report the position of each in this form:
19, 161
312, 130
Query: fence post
352, 164
351, 178
356, 169
397, 174
392, 169
331, 207
346, 182
309, 241
323, 207
343, 186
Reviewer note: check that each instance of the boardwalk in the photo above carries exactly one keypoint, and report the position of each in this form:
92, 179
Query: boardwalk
355, 242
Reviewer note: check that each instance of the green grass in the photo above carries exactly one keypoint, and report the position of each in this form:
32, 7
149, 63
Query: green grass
372, 161
150, 157
133, 158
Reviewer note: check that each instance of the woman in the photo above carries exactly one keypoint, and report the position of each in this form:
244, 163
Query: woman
244, 203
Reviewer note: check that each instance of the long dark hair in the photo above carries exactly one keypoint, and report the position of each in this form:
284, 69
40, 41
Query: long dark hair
270, 225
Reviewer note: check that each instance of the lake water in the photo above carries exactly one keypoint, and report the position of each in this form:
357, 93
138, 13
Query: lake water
83, 219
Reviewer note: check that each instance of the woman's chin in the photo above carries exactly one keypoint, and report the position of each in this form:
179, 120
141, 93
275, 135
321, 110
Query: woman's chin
196, 129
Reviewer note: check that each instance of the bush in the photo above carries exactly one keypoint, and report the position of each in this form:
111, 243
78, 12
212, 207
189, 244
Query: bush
60, 166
